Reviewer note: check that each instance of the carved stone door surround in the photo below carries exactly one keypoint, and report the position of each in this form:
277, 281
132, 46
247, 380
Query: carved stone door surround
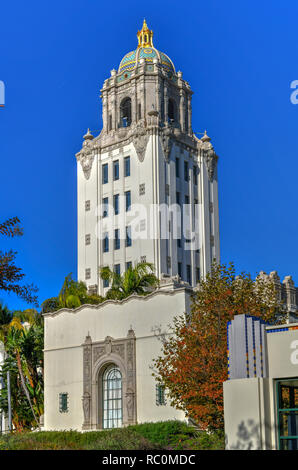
96, 357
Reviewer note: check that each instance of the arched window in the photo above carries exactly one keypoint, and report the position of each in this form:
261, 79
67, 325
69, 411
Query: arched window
112, 397
171, 111
125, 112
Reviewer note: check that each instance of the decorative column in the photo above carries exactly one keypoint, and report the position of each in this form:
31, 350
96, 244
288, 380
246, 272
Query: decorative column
189, 114
182, 110
105, 119
166, 104
87, 381
131, 405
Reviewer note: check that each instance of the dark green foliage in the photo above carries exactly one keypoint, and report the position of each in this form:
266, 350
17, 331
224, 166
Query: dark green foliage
148, 436
73, 294
11, 276
139, 280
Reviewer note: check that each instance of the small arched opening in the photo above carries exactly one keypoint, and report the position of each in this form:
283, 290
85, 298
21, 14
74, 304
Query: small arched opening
125, 112
172, 111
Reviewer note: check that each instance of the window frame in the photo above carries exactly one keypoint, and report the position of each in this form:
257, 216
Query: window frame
126, 166
116, 174
105, 173
105, 393
117, 239
280, 411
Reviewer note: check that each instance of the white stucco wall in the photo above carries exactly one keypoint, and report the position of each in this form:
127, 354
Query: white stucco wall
65, 332
247, 414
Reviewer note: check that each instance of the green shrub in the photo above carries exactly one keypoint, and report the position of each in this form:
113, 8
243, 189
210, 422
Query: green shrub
148, 436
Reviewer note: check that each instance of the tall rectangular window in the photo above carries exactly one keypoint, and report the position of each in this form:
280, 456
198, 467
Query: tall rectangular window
128, 265
128, 236
185, 171
177, 167
117, 269
105, 173
197, 275
127, 166
63, 402
87, 273
105, 283
105, 242
117, 239
116, 204
160, 395
127, 201
116, 170
188, 274
105, 206
195, 175
287, 413
177, 198
180, 269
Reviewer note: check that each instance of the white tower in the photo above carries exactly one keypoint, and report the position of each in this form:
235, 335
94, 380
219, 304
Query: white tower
145, 161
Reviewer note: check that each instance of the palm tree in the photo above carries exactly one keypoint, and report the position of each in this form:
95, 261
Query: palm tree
17, 335
73, 294
22, 335
139, 279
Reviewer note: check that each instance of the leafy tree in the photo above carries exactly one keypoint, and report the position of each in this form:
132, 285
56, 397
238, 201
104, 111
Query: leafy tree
50, 305
139, 279
193, 363
11, 276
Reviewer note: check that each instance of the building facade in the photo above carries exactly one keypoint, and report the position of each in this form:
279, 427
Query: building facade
286, 292
261, 395
142, 172
147, 191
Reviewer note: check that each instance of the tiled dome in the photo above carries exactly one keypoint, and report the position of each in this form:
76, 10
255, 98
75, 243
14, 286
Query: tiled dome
146, 51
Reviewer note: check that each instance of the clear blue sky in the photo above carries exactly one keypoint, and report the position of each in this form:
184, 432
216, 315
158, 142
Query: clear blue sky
239, 58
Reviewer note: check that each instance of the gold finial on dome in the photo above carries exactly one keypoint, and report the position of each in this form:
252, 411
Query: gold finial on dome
145, 36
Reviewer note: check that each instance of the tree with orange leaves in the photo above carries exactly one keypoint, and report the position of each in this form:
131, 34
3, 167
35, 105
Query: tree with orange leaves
193, 362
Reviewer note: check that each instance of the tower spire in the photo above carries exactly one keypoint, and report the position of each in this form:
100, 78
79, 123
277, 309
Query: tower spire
145, 36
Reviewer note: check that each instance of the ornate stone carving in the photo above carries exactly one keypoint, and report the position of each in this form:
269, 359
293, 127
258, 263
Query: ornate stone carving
210, 160
86, 157
167, 143
87, 369
86, 408
118, 349
97, 352
130, 404
140, 141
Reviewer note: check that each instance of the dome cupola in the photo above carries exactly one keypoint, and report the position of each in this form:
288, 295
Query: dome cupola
146, 51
